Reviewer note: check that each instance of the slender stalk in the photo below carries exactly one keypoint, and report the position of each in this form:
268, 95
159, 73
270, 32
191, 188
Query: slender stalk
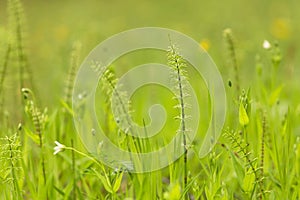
262, 154
21, 56
12, 166
177, 63
38, 128
229, 39
119, 96
37, 119
74, 172
87, 156
17, 27
5, 64
2, 77
242, 149
74, 63
183, 129
14, 156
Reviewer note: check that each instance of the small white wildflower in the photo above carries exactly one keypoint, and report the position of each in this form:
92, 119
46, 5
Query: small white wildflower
266, 44
100, 145
93, 132
59, 147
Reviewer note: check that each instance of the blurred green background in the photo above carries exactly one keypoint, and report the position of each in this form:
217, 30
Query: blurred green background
53, 26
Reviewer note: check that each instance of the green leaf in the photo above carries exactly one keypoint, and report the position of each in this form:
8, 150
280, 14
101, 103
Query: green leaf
248, 101
34, 137
43, 188
118, 181
239, 169
243, 117
173, 192
105, 181
248, 182
59, 190
275, 95
189, 185
67, 107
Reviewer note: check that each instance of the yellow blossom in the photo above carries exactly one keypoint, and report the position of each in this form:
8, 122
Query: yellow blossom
280, 28
205, 44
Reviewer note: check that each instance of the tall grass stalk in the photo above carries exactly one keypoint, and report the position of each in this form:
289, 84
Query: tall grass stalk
74, 172
262, 155
38, 120
16, 13
232, 54
74, 64
2, 78
241, 150
67, 126
178, 65
10, 156
122, 107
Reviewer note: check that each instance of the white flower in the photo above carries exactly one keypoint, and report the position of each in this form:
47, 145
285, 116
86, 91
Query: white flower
266, 44
59, 147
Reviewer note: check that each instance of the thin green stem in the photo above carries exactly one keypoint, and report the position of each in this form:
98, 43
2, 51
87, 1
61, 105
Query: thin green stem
87, 156
2, 77
182, 115
74, 172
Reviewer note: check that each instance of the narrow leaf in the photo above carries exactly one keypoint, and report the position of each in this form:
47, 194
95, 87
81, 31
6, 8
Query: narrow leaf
118, 182
243, 117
